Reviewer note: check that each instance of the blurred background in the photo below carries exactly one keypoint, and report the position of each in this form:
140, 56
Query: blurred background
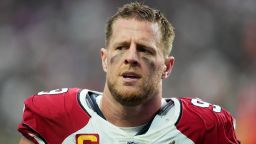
49, 44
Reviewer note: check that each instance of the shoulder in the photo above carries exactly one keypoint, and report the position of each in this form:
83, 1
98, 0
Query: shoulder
53, 115
58, 102
202, 121
50, 103
209, 114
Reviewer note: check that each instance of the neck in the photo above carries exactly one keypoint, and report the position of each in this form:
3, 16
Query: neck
129, 116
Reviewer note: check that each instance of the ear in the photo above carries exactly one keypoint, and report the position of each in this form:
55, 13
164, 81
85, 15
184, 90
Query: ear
169, 63
103, 54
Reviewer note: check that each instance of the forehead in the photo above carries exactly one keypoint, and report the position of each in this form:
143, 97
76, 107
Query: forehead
124, 29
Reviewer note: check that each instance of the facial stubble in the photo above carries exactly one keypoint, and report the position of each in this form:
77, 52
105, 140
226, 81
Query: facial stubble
149, 87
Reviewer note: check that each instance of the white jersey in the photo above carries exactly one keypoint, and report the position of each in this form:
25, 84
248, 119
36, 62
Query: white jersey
72, 116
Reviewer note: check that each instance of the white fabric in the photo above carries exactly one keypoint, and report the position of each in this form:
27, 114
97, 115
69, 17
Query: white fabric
162, 129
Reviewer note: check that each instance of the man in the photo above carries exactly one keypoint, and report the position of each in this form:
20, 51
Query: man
131, 109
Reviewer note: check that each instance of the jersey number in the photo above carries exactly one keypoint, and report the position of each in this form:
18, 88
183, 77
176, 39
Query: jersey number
56, 91
198, 102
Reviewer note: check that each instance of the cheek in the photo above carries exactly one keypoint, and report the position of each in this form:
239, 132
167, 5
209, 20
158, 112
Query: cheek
115, 59
114, 63
154, 68
150, 64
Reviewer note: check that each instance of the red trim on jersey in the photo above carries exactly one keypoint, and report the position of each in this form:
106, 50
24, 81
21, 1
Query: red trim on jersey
53, 117
204, 126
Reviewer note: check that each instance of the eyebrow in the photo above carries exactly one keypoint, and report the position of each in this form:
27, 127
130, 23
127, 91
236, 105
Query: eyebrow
126, 43
140, 43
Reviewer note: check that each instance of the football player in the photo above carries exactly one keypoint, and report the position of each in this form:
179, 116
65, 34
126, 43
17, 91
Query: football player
131, 109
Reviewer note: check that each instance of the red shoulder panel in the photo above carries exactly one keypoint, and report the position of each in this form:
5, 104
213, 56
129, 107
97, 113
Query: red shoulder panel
53, 115
206, 123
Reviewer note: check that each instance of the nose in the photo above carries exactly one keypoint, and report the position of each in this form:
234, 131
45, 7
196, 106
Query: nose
132, 56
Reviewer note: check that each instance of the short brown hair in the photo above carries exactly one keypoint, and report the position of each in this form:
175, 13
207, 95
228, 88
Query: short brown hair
143, 12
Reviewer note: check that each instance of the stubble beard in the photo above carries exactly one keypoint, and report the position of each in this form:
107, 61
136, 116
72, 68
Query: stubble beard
134, 97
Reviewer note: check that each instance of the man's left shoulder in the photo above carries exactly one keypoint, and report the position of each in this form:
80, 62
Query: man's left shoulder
209, 114
204, 122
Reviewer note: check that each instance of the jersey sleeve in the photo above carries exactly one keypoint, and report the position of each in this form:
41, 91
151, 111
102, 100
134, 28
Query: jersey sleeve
47, 116
206, 123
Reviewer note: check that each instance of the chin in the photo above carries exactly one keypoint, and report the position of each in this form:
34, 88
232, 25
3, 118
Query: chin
128, 96
129, 100
131, 97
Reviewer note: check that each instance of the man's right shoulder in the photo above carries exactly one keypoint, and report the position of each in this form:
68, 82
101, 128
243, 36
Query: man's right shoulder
53, 115
52, 103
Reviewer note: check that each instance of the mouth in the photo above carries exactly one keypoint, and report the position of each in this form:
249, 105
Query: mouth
131, 75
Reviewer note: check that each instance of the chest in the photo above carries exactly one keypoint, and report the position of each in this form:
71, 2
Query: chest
98, 131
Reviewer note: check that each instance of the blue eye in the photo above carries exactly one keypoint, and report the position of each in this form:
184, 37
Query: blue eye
144, 50
121, 47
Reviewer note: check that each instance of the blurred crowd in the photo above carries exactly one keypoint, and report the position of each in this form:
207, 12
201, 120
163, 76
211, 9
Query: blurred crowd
49, 44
